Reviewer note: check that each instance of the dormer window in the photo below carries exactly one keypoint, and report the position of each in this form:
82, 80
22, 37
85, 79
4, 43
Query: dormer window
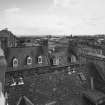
40, 60
73, 59
57, 61
29, 60
15, 62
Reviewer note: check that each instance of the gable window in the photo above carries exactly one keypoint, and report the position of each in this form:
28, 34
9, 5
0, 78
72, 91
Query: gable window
73, 59
29, 60
15, 62
40, 60
57, 61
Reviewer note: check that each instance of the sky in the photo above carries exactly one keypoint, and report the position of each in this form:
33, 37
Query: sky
53, 17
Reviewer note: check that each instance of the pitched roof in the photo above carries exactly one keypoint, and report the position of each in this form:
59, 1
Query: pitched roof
23, 100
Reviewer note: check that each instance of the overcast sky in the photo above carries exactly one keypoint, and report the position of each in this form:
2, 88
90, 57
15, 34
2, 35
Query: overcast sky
41, 17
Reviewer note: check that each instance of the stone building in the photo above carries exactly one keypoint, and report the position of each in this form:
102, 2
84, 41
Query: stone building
93, 55
20, 57
62, 51
17, 58
30, 78
7, 39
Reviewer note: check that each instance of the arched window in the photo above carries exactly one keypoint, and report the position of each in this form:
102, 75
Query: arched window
29, 60
40, 60
15, 62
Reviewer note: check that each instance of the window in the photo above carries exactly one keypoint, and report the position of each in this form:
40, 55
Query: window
15, 62
73, 59
57, 61
29, 60
40, 60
